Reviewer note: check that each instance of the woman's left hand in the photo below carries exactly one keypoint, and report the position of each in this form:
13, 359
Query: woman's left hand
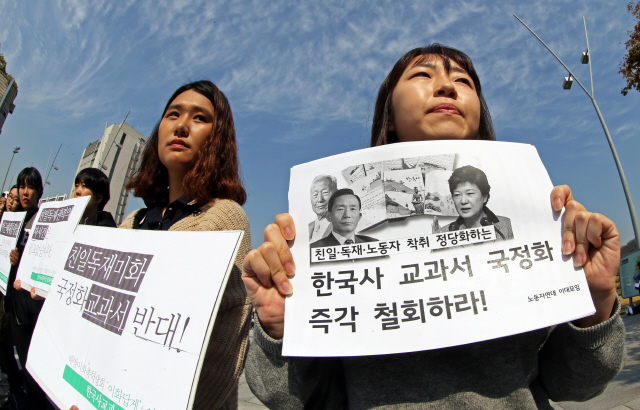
34, 295
594, 241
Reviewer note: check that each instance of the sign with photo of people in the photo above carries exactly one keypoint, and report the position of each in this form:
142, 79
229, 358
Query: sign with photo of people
425, 245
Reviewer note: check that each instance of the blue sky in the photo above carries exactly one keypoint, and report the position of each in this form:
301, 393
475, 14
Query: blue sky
302, 78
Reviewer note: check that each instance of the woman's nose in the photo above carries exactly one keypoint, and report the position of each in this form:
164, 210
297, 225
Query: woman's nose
444, 87
181, 128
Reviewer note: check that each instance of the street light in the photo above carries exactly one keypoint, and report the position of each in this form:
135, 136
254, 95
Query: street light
15, 151
587, 60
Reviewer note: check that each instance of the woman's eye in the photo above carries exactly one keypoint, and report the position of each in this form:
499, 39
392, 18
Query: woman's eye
422, 74
172, 114
464, 81
200, 118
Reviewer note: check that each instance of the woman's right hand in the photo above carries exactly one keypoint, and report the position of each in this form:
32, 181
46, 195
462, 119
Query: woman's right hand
266, 272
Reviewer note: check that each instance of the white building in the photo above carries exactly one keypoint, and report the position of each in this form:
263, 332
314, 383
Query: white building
117, 155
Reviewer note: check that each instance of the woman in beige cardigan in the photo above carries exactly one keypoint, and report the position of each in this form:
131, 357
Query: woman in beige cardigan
189, 179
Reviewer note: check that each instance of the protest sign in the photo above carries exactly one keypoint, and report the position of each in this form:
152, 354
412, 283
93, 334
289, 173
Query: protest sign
129, 315
428, 245
51, 229
9, 232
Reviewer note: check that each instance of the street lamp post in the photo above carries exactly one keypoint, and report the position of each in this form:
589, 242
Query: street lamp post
15, 151
53, 166
586, 58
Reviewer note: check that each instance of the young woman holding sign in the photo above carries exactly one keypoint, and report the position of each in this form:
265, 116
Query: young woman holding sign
189, 179
433, 93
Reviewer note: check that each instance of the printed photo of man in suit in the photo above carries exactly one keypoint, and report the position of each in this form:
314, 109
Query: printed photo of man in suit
344, 215
322, 187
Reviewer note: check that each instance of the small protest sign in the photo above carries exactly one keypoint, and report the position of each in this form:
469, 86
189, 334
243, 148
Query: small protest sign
126, 307
51, 229
425, 245
10, 227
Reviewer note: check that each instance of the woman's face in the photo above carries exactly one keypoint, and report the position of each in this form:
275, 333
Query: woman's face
429, 103
183, 130
12, 199
82, 190
468, 200
28, 196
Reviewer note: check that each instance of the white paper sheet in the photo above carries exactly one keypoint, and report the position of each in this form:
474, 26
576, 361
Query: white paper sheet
90, 350
9, 233
51, 229
408, 284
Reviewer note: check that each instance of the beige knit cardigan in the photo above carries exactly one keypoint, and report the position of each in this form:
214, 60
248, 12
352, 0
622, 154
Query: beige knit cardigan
226, 352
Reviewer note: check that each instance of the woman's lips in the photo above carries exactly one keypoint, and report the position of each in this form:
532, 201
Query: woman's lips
178, 143
446, 108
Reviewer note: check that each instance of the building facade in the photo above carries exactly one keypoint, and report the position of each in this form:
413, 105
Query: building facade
117, 155
8, 92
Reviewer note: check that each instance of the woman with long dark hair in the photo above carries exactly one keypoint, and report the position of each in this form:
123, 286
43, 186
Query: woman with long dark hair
434, 93
190, 181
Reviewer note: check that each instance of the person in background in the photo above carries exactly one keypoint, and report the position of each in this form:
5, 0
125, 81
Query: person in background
92, 181
189, 179
24, 309
434, 93
8, 362
13, 201
3, 203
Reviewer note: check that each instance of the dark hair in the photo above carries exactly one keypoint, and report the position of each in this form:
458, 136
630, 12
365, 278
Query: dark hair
342, 192
471, 175
32, 177
215, 171
97, 182
383, 112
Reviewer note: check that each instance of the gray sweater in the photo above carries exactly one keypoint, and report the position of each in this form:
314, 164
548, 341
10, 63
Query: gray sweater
523, 371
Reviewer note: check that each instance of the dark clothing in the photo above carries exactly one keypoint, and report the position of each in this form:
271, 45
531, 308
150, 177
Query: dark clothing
501, 224
10, 300
151, 219
102, 218
24, 315
331, 240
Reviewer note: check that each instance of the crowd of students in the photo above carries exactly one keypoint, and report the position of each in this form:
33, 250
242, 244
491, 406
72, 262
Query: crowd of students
189, 180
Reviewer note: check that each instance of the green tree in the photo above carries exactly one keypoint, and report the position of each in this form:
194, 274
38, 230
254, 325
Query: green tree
630, 65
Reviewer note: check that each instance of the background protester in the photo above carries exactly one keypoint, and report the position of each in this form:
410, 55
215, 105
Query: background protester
3, 203
92, 181
433, 93
7, 358
189, 179
25, 310
13, 201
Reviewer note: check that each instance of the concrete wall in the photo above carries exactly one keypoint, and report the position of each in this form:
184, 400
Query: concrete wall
117, 157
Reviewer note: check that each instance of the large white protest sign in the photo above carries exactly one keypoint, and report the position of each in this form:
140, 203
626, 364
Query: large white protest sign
430, 244
9, 232
128, 316
50, 232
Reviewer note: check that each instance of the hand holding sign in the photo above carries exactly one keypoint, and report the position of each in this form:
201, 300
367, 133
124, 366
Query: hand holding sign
594, 241
266, 272
14, 256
